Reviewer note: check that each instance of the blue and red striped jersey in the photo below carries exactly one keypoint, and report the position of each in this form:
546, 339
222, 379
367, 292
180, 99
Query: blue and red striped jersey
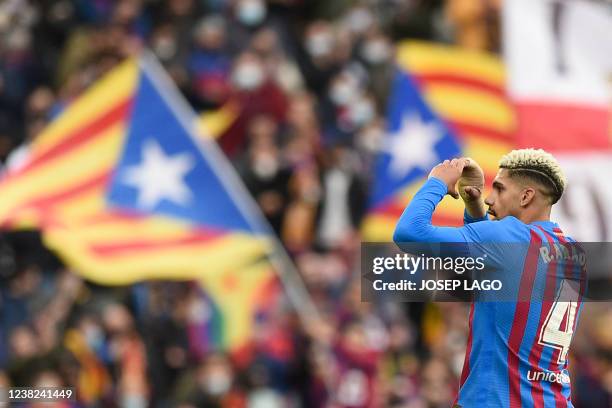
517, 351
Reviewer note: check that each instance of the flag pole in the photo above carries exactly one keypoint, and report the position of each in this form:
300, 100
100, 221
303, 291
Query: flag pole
286, 269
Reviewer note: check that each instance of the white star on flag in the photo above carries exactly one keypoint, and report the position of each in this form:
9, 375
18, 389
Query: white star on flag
159, 176
412, 145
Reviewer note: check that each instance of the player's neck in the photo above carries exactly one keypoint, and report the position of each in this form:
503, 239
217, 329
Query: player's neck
529, 216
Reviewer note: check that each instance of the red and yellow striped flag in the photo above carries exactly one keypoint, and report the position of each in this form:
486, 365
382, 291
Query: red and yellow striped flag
466, 91
215, 123
123, 192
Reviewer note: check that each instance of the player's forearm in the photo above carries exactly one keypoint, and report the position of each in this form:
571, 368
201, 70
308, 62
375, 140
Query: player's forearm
475, 209
415, 223
468, 219
416, 218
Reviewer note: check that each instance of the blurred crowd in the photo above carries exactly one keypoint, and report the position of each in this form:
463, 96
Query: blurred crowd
306, 82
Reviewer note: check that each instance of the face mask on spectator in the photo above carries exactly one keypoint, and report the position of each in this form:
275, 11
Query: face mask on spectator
18, 40
251, 12
265, 165
362, 112
94, 336
359, 20
134, 400
210, 33
376, 51
164, 48
248, 76
199, 312
319, 44
217, 383
342, 92
371, 137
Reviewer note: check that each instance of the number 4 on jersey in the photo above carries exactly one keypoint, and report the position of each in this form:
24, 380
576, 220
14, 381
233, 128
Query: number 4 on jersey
554, 332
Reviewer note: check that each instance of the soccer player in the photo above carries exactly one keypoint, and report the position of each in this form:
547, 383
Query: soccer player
517, 350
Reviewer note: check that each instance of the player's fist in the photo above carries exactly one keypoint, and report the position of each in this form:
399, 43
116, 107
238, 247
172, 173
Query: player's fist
449, 173
471, 182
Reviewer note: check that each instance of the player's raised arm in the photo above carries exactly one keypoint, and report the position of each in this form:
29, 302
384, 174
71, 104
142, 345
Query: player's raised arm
415, 223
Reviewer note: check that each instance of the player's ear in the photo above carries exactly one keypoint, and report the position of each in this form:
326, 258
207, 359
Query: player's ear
527, 196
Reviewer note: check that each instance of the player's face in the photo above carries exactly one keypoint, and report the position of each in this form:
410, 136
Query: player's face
505, 196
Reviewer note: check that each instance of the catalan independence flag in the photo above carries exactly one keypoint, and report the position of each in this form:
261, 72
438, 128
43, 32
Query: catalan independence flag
123, 191
445, 102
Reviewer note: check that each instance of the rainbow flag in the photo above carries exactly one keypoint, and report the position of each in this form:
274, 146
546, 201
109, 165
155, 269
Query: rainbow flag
123, 190
239, 301
446, 102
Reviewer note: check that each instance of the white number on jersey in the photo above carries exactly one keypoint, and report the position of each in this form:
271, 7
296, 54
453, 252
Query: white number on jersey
552, 334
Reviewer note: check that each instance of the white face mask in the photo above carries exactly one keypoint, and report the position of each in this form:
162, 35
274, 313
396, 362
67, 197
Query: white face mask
217, 383
359, 20
370, 139
18, 40
376, 51
251, 12
94, 336
199, 312
265, 165
319, 44
248, 76
134, 400
362, 112
164, 48
342, 92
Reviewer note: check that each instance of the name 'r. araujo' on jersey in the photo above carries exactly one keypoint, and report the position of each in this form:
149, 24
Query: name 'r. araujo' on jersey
517, 350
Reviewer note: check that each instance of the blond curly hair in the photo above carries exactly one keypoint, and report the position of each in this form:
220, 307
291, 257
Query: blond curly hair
539, 165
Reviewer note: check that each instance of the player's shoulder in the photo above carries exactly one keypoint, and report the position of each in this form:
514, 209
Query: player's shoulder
517, 229
569, 238
507, 229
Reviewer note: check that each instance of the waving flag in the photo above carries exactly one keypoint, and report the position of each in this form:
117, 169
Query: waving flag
446, 102
559, 57
215, 123
123, 191
239, 299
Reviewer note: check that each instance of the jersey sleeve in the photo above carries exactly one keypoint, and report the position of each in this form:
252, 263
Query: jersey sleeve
468, 219
415, 223
482, 237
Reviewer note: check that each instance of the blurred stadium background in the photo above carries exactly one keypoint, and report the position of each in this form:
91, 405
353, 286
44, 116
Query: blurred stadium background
310, 101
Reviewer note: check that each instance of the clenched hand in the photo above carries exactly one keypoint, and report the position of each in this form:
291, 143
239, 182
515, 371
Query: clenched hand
449, 173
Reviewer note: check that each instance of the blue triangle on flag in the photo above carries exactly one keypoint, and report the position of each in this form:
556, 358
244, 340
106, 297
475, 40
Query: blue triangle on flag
162, 171
416, 140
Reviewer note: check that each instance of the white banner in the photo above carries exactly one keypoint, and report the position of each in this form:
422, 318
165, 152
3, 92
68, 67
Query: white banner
559, 50
585, 211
